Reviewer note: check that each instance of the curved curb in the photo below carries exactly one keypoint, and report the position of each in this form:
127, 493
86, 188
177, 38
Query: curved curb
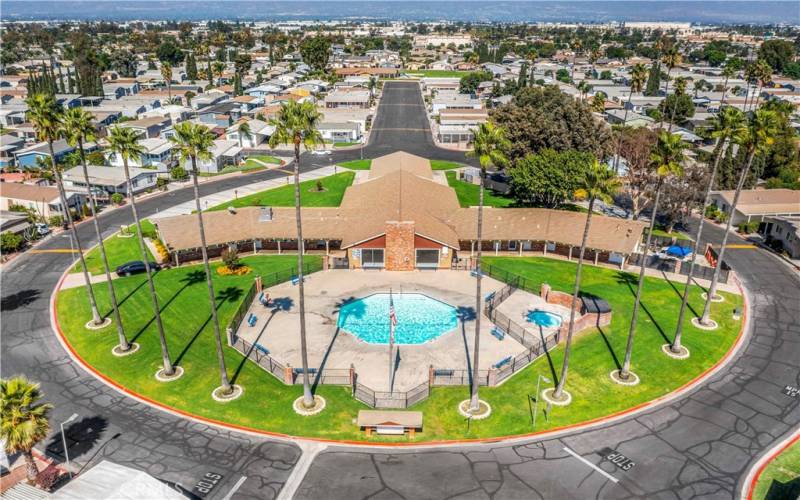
755, 471
689, 386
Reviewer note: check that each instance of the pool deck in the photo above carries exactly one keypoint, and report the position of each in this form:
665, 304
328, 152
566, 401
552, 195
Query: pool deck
277, 327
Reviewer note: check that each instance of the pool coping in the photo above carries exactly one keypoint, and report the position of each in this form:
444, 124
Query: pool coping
744, 331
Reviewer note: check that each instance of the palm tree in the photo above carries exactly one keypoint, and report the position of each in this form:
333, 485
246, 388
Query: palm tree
78, 129
584, 89
728, 71
761, 130
244, 132
698, 86
671, 59
489, 145
46, 117
598, 183
594, 55
219, 69
576, 47
194, 142
297, 123
728, 123
24, 422
763, 75
124, 142
638, 79
666, 157
166, 74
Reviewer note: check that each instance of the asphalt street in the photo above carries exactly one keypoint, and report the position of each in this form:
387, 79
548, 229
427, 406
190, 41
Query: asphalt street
697, 446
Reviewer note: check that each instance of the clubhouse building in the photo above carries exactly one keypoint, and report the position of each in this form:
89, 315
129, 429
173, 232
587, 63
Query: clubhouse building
402, 216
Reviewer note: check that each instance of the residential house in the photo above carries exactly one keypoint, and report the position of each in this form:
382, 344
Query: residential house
9, 144
221, 114
106, 181
786, 230
260, 131
157, 153
757, 204
631, 118
225, 152
458, 125
454, 101
27, 157
340, 132
348, 99
149, 127
44, 200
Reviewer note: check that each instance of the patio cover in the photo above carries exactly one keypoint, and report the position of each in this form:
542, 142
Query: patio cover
108, 480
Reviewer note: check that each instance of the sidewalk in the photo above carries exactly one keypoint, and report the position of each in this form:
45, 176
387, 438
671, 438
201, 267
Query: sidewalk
230, 194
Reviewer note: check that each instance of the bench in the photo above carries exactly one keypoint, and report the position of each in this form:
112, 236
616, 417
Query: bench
296, 280
299, 371
499, 333
261, 349
502, 362
388, 422
489, 296
252, 319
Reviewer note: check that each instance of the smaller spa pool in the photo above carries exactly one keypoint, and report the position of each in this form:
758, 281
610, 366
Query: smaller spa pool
544, 319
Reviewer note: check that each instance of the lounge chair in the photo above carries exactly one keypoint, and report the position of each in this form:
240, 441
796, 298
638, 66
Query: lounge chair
261, 348
296, 280
252, 320
499, 333
502, 362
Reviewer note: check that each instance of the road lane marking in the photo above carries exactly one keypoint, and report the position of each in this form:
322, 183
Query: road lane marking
236, 486
742, 246
53, 250
593, 466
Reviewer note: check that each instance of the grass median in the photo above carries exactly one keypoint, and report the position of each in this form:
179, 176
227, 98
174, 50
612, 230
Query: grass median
119, 249
266, 404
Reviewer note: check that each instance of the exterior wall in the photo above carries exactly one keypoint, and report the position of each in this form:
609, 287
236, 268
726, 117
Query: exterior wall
400, 255
583, 321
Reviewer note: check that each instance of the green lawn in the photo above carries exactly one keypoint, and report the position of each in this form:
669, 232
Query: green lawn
440, 73
783, 468
267, 403
356, 164
119, 250
658, 231
444, 165
331, 196
468, 194
345, 144
264, 158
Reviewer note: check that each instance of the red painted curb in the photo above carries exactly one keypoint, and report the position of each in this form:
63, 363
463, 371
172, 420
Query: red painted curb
751, 490
227, 425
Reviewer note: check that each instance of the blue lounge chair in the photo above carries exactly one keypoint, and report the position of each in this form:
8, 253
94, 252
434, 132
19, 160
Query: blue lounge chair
261, 348
502, 362
499, 333
252, 319
489, 296
296, 280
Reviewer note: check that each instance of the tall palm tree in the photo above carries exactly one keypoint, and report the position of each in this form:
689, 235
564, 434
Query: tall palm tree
124, 142
46, 117
244, 132
597, 183
219, 69
594, 55
576, 47
24, 422
166, 73
297, 124
763, 75
761, 130
598, 102
193, 142
728, 124
78, 129
489, 145
728, 71
638, 79
671, 58
666, 157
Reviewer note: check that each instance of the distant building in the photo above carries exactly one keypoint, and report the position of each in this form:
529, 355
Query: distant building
756, 204
348, 99
44, 200
785, 229
110, 180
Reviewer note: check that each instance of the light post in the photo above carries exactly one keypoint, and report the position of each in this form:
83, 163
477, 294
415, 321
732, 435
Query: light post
536, 404
64, 440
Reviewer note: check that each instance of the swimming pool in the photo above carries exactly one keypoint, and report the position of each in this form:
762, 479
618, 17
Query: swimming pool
419, 318
544, 319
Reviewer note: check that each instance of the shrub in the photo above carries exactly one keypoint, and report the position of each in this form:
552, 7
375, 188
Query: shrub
55, 221
748, 227
178, 173
117, 198
163, 253
239, 271
230, 256
10, 242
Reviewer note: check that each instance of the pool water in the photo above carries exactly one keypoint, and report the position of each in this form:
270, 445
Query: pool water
419, 318
544, 319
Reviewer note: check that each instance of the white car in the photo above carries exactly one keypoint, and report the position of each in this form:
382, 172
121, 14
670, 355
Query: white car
321, 152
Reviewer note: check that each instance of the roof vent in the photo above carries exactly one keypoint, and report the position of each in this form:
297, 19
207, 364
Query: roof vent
265, 214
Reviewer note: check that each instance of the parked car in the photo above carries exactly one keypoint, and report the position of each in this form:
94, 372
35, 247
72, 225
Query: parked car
134, 267
321, 152
42, 229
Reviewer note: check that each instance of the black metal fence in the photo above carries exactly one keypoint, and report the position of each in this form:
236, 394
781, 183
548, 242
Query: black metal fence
327, 376
261, 358
443, 376
396, 399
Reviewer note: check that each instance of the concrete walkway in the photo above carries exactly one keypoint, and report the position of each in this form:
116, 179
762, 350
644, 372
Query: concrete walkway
231, 194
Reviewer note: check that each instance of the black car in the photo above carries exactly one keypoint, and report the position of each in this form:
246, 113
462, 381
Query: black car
134, 267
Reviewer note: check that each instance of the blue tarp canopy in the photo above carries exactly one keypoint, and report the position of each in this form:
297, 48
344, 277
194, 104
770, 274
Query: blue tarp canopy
677, 251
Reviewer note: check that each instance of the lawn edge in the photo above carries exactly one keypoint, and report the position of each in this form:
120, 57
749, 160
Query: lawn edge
757, 469
686, 388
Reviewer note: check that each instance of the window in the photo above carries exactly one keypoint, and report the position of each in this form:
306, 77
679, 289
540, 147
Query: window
427, 258
372, 257
512, 245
